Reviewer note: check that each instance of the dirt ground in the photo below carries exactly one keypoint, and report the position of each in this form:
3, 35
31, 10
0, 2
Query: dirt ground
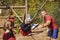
36, 35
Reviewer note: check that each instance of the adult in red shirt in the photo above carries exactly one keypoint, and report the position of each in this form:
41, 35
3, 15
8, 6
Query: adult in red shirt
50, 22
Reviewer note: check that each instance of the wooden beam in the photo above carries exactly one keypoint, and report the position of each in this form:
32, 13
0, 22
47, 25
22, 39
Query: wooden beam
7, 16
26, 6
14, 7
16, 14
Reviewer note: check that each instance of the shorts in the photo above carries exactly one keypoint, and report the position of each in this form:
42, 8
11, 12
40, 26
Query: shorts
53, 33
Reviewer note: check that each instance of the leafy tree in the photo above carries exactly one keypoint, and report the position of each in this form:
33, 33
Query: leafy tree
53, 8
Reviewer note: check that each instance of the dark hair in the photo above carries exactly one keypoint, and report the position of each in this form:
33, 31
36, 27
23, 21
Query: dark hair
11, 13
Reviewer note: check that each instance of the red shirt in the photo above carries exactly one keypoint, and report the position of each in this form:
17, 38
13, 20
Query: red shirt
52, 25
11, 19
7, 36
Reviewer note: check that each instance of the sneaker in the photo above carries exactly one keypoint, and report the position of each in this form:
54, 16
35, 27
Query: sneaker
33, 26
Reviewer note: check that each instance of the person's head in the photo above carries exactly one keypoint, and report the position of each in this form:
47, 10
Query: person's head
11, 13
43, 13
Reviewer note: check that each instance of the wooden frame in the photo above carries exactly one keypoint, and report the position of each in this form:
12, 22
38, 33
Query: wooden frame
16, 7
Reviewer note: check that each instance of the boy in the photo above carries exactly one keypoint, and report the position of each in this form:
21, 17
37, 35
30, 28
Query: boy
52, 27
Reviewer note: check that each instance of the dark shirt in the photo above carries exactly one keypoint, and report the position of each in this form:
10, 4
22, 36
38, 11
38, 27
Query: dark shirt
25, 27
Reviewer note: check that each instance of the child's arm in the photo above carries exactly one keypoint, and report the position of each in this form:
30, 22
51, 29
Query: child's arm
47, 23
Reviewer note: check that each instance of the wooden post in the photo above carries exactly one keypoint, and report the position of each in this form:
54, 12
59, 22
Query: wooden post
16, 14
26, 6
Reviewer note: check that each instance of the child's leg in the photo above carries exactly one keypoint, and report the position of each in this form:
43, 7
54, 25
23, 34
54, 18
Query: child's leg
55, 34
49, 35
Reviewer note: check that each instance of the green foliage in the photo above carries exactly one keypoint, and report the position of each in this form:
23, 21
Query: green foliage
17, 29
52, 8
20, 2
8, 2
